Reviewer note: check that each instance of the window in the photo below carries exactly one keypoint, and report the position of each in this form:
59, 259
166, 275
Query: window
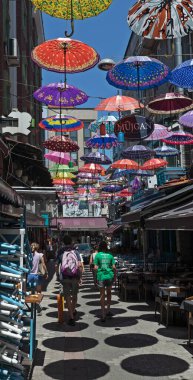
73, 135
87, 132
74, 156
87, 151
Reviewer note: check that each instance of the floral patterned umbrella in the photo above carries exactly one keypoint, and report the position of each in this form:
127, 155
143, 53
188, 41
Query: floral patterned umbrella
169, 103
61, 144
179, 138
65, 55
111, 188
86, 181
187, 119
182, 76
63, 175
166, 151
108, 120
138, 151
97, 158
63, 181
61, 123
59, 157
153, 164
59, 169
125, 164
161, 19
103, 142
85, 190
91, 168
88, 176
118, 103
60, 95
160, 132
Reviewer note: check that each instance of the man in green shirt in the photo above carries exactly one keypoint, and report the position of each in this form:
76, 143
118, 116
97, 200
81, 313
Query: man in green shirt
104, 264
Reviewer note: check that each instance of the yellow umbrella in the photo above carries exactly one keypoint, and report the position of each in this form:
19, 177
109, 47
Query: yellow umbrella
73, 9
63, 175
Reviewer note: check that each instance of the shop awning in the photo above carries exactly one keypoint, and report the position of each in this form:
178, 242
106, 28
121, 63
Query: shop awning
80, 224
113, 228
179, 218
132, 216
9, 196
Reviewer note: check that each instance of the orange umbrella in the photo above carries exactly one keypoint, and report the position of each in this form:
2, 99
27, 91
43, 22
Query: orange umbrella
124, 193
153, 164
91, 168
118, 103
125, 164
60, 181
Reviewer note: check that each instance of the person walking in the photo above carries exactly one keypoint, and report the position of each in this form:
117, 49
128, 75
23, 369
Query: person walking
69, 268
104, 264
91, 263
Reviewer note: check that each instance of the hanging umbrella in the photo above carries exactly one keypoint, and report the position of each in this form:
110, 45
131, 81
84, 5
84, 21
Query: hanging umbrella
182, 75
124, 193
111, 188
97, 158
65, 55
73, 9
86, 181
103, 142
61, 144
118, 103
91, 168
161, 19
125, 164
66, 189
136, 184
59, 157
160, 132
88, 189
169, 103
143, 173
60, 95
137, 151
63, 175
166, 151
61, 123
88, 176
118, 173
58, 168
153, 164
63, 181
138, 73
187, 119
108, 120
179, 138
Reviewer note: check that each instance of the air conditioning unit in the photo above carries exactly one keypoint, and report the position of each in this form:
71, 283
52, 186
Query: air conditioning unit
13, 53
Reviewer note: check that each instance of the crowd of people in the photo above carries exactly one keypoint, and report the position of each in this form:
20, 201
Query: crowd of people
69, 268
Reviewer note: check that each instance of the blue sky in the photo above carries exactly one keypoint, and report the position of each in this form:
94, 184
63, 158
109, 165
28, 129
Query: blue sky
108, 33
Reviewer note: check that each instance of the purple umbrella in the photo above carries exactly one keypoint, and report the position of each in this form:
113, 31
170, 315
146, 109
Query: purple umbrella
138, 151
179, 138
160, 132
166, 151
103, 142
60, 95
187, 119
112, 188
96, 158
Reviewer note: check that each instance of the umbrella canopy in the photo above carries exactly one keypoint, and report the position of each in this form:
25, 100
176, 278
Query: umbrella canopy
56, 168
170, 103
59, 157
138, 73
97, 158
161, 19
118, 173
103, 142
66, 189
153, 164
87, 189
112, 188
160, 132
143, 173
86, 181
138, 151
179, 138
63, 181
63, 175
166, 151
60, 95
108, 120
91, 168
65, 55
182, 75
118, 103
88, 176
125, 164
187, 119
61, 144
124, 193
61, 123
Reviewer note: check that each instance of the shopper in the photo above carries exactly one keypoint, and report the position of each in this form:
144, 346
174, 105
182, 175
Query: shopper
91, 263
69, 267
104, 264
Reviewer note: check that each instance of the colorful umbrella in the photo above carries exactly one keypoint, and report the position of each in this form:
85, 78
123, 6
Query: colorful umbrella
65, 55
118, 103
182, 75
66, 189
58, 168
59, 157
153, 164
187, 119
108, 120
118, 173
143, 173
160, 132
97, 158
138, 73
63, 175
179, 138
61, 123
86, 181
166, 151
111, 188
137, 151
170, 103
161, 19
124, 193
103, 142
88, 176
60, 95
64, 182
91, 168
86, 190
125, 164
61, 144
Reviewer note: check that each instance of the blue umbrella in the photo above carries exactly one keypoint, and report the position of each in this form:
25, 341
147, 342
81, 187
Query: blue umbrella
166, 151
108, 120
112, 188
182, 75
138, 73
103, 142
121, 173
96, 158
138, 151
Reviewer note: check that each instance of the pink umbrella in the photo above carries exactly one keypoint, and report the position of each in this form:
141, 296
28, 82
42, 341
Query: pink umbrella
59, 157
160, 132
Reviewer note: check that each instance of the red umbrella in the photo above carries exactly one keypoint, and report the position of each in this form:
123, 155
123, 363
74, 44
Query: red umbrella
91, 168
170, 103
124, 193
125, 164
60, 181
153, 164
65, 55
118, 103
61, 144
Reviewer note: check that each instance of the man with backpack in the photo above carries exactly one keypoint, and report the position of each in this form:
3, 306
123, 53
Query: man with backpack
69, 267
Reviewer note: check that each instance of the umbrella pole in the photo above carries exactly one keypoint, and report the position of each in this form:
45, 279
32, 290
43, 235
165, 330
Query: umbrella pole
71, 22
138, 82
65, 51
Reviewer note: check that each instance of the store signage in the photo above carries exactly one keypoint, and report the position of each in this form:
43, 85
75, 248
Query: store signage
135, 127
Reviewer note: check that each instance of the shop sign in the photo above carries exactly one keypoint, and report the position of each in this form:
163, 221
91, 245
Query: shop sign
134, 127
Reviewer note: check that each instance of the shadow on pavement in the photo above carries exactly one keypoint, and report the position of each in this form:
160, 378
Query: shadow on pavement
55, 326
141, 307
76, 369
70, 344
51, 273
91, 296
114, 310
97, 303
54, 314
153, 365
131, 340
173, 332
117, 322
149, 317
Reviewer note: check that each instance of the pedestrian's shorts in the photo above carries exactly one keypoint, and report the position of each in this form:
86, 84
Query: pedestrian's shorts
34, 279
70, 286
105, 283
